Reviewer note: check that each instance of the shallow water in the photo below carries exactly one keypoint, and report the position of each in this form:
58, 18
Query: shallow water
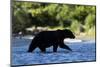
82, 51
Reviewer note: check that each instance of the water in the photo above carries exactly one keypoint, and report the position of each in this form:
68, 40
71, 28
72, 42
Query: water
82, 51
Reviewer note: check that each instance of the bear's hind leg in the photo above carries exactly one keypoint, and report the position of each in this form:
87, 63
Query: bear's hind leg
62, 45
31, 48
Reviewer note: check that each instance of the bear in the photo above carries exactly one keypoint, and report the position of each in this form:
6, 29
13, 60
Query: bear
55, 38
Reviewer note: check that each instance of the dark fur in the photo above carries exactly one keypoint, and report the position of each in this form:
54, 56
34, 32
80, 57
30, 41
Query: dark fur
46, 39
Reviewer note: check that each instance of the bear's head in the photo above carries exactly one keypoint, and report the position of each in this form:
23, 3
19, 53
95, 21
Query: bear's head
68, 34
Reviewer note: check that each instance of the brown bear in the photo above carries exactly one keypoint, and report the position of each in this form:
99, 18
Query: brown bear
46, 39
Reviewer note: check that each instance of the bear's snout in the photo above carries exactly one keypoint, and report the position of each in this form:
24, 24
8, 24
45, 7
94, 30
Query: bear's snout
73, 37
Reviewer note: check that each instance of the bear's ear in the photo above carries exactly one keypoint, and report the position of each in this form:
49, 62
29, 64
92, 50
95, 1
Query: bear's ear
68, 30
65, 29
58, 30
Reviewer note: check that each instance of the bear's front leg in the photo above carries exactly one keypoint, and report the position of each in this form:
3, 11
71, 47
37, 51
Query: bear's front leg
62, 45
55, 46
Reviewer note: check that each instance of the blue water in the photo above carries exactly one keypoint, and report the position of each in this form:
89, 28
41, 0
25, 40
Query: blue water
82, 51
